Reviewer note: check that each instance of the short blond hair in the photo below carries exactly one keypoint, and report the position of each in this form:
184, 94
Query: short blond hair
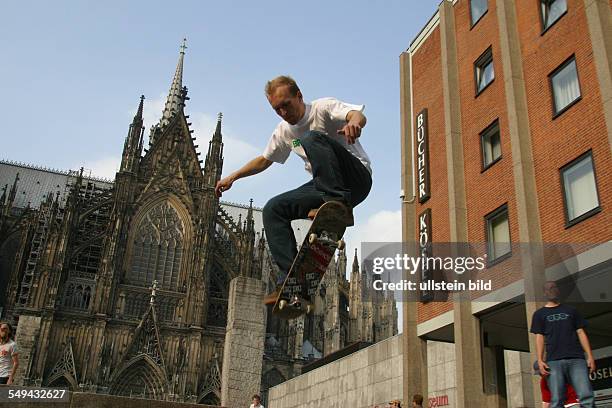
281, 81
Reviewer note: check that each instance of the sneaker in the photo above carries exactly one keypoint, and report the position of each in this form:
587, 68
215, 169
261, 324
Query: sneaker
271, 297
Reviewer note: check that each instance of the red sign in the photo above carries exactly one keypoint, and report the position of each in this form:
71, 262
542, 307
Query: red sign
439, 401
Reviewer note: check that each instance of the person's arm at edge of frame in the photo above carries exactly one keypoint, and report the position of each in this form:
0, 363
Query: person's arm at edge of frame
254, 166
540, 353
14, 369
586, 346
355, 121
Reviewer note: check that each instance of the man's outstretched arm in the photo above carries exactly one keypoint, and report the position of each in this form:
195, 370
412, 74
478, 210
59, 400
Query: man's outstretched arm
257, 165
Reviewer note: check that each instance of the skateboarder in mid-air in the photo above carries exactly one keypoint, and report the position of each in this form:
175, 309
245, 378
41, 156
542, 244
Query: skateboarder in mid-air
324, 133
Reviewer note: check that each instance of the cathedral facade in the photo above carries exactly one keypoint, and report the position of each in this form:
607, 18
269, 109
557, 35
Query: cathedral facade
121, 286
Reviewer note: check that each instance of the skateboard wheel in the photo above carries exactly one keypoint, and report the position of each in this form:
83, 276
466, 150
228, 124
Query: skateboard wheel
309, 309
312, 238
341, 244
282, 304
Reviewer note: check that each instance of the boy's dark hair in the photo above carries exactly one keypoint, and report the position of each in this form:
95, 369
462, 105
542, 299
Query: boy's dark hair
256, 396
418, 398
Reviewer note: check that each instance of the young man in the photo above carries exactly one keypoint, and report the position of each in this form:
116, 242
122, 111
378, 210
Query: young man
561, 328
417, 401
325, 134
256, 402
9, 356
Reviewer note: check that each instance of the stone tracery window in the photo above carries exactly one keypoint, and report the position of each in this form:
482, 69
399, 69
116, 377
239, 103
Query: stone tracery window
217, 296
77, 296
86, 262
158, 248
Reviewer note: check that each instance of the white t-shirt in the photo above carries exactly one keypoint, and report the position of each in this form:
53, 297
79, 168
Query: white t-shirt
7, 351
327, 115
259, 406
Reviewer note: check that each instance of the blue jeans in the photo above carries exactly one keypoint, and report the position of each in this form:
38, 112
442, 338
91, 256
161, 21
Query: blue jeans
574, 371
336, 175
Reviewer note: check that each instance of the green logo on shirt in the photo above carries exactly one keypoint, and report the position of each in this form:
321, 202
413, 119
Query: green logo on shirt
296, 142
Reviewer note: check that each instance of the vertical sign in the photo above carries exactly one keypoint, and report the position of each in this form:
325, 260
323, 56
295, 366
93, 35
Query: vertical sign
425, 251
422, 149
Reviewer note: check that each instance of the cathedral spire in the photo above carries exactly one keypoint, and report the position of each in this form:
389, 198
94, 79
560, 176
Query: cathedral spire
175, 97
355, 278
217, 134
250, 222
355, 263
214, 157
342, 263
138, 115
132, 148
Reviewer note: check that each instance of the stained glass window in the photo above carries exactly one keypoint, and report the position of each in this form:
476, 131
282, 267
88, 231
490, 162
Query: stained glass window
158, 248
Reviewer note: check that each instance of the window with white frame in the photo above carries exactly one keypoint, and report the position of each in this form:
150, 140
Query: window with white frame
579, 189
491, 145
498, 234
478, 8
552, 10
565, 86
483, 70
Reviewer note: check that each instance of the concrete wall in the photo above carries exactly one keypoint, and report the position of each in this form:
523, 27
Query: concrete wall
441, 373
371, 377
518, 379
366, 379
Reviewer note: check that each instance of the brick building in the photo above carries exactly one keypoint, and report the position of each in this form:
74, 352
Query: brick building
506, 141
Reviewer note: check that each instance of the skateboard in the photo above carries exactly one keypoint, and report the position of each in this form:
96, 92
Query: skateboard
298, 291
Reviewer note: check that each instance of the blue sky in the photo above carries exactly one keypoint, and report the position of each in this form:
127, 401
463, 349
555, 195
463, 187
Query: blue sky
72, 73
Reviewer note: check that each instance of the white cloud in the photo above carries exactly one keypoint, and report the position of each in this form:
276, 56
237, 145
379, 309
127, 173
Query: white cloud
383, 226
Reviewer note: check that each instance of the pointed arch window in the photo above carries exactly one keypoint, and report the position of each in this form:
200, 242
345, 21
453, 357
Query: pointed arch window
158, 248
218, 287
77, 295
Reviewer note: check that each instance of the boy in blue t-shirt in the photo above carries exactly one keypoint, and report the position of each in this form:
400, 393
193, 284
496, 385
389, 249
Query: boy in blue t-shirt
561, 328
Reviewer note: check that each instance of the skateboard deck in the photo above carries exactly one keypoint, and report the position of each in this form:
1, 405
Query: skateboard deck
299, 289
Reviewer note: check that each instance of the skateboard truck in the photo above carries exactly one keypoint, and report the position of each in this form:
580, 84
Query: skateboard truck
326, 239
296, 303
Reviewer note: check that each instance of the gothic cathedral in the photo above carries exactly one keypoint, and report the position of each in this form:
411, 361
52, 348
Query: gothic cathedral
121, 287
